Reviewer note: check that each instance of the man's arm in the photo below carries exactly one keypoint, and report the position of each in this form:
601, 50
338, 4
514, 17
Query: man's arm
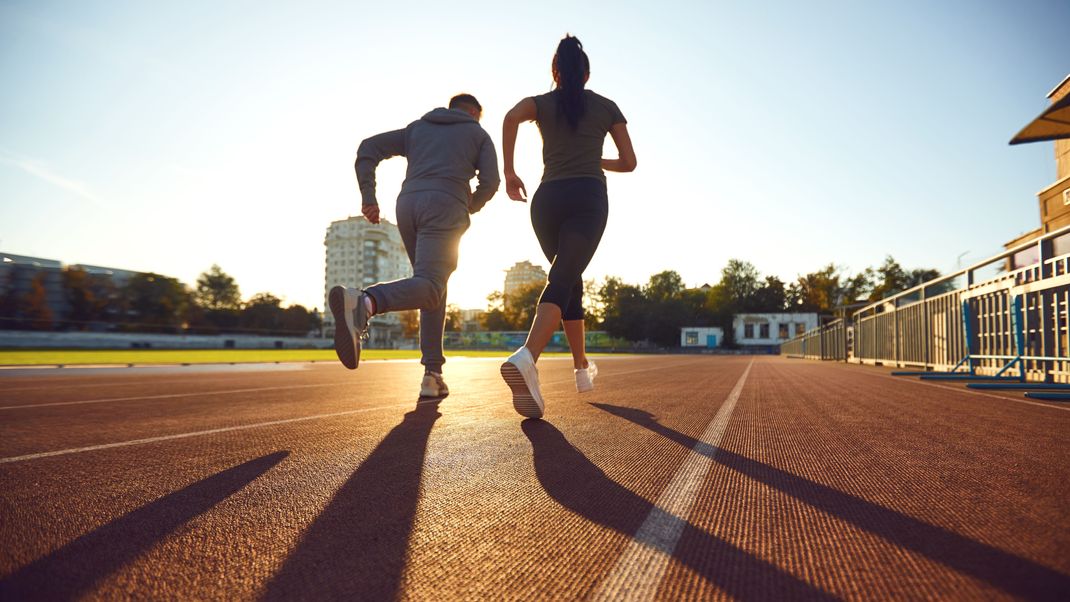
369, 154
487, 167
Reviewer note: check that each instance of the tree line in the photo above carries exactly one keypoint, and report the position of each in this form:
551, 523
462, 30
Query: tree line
149, 302
654, 312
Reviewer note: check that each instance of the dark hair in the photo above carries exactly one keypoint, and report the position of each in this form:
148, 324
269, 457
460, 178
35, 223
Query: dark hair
572, 67
465, 99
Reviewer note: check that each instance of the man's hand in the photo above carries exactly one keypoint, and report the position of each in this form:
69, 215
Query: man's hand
514, 187
371, 212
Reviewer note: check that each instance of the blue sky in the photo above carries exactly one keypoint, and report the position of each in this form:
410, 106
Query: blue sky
170, 136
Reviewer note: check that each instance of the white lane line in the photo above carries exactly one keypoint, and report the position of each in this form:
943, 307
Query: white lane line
168, 396
227, 429
642, 565
143, 441
234, 391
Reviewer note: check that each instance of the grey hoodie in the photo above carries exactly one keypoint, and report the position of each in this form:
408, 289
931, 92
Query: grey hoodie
445, 149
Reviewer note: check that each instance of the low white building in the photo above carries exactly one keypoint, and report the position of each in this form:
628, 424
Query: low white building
708, 337
771, 329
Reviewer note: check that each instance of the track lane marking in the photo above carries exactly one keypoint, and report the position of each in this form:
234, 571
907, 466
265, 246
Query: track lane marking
225, 429
147, 440
641, 567
168, 396
232, 391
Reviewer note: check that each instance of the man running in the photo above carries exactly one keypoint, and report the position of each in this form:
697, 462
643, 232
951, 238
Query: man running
445, 149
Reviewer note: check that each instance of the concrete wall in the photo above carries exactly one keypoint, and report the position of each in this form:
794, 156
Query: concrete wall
115, 340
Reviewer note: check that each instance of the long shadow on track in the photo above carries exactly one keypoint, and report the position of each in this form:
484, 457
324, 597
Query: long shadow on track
579, 485
75, 568
1010, 573
355, 549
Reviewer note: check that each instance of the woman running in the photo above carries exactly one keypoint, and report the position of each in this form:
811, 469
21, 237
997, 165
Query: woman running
568, 211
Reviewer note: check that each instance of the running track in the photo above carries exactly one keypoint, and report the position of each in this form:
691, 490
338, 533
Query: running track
679, 477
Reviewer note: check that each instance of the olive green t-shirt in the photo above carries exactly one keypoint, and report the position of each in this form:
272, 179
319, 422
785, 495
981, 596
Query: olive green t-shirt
568, 153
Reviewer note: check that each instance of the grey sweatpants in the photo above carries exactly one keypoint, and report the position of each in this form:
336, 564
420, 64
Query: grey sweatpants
431, 224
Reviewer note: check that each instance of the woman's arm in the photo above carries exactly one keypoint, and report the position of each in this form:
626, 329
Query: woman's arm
625, 152
523, 111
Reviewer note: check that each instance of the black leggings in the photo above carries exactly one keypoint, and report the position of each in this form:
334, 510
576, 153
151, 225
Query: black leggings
569, 217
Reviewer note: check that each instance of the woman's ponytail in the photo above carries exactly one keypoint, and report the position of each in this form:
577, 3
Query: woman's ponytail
572, 68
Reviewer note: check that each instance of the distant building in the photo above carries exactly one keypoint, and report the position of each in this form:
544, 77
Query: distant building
17, 275
522, 275
18, 272
1054, 200
470, 319
772, 328
117, 276
359, 254
701, 336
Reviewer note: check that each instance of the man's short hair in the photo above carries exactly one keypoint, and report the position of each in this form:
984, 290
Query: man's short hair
465, 99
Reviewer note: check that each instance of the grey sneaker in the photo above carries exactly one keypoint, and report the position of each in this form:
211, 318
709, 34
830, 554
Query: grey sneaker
350, 323
522, 377
433, 386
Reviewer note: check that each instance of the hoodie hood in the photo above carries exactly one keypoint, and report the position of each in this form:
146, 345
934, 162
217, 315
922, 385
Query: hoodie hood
445, 116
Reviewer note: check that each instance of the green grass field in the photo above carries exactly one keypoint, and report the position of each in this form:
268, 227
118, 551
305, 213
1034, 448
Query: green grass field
207, 356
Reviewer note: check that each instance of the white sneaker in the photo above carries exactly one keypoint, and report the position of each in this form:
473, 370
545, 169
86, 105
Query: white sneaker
350, 323
585, 377
433, 386
522, 376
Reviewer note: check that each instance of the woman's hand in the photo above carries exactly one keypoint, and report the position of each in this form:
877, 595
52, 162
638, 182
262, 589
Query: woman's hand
514, 187
524, 110
371, 213
626, 162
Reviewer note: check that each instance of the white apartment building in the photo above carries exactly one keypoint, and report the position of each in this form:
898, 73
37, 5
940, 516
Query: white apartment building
522, 274
359, 254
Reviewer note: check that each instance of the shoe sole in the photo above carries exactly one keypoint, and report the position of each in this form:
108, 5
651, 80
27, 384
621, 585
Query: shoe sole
347, 350
524, 402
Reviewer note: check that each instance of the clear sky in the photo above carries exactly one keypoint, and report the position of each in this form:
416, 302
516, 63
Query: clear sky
170, 136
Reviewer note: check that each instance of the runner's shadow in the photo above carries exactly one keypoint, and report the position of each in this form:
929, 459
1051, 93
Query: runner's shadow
73, 570
579, 485
356, 547
1008, 572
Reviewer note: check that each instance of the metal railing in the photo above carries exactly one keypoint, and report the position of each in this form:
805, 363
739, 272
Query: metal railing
828, 342
1015, 322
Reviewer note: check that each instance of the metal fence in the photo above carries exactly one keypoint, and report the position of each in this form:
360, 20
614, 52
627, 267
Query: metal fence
828, 342
1006, 316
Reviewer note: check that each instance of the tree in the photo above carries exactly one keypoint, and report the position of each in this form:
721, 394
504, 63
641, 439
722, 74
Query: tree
296, 320
624, 309
157, 302
35, 309
771, 296
91, 298
663, 286
410, 322
891, 278
494, 320
262, 312
216, 290
454, 322
217, 302
818, 291
739, 281
593, 306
